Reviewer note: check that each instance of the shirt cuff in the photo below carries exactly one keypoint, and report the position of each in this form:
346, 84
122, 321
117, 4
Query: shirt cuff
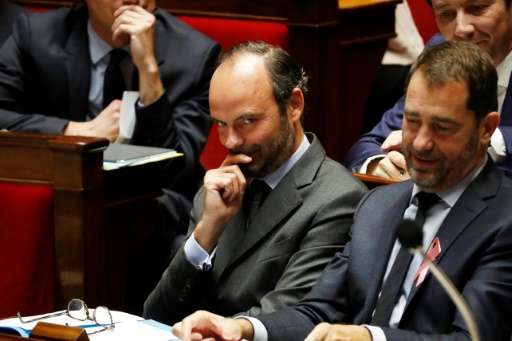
197, 255
377, 333
260, 332
362, 169
498, 148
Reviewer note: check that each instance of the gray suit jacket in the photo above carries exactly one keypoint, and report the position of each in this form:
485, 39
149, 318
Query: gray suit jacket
476, 254
297, 230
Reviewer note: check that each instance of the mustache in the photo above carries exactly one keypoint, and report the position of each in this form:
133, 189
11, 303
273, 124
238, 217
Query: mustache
242, 150
422, 154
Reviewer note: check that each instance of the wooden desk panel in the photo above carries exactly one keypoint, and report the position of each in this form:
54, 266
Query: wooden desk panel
102, 218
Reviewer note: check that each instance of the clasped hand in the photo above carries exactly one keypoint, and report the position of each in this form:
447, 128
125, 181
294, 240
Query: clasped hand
224, 189
391, 166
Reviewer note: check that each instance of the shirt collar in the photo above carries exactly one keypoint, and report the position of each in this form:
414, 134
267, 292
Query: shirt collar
276, 176
451, 195
99, 48
504, 69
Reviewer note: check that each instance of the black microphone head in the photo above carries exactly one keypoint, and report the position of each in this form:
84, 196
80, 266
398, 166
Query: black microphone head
409, 233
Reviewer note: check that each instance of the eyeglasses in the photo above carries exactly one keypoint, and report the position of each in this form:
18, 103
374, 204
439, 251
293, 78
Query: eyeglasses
78, 310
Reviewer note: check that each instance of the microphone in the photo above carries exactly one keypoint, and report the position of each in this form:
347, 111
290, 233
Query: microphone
410, 235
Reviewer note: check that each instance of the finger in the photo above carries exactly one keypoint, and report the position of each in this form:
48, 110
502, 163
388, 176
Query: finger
235, 159
380, 169
398, 159
318, 333
177, 329
393, 141
234, 173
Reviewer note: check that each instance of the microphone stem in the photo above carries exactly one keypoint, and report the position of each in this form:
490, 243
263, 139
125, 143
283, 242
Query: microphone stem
454, 294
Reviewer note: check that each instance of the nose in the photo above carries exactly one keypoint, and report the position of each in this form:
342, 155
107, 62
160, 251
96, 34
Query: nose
231, 138
424, 139
464, 28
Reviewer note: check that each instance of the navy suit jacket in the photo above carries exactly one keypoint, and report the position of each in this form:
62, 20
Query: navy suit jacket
8, 13
45, 79
476, 254
369, 144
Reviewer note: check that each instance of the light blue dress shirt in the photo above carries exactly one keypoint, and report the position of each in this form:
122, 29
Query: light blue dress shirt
99, 52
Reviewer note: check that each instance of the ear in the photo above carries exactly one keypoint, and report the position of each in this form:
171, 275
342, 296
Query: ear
295, 105
487, 126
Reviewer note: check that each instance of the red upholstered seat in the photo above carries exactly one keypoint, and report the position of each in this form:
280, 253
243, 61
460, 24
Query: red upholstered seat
424, 19
27, 256
229, 32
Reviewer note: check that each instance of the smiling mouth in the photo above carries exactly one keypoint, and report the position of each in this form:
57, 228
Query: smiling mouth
424, 162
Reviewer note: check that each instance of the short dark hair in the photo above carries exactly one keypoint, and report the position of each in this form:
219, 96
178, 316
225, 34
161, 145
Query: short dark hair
285, 74
507, 3
463, 62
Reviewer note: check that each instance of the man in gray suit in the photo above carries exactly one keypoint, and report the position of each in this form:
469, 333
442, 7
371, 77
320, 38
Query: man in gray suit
237, 261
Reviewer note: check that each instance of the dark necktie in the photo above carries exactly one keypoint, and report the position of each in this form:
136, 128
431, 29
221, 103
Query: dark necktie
392, 286
258, 191
113, 83
506, 109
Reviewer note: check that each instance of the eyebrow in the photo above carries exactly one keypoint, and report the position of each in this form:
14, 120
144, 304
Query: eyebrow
250, 114
444, 4
434, 118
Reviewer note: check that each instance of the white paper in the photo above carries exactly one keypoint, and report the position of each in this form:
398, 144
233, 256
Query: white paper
136, 331
127, 119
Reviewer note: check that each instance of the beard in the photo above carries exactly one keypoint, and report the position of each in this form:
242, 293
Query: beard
269, 156
446, 173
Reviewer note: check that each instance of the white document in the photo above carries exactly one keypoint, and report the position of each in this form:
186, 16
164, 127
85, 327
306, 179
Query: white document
127, 119
134, 331
127, 327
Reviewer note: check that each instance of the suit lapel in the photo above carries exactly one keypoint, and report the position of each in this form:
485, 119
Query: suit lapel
281, 201
386, 242
229, 242
467, 208
78, 67
160, 43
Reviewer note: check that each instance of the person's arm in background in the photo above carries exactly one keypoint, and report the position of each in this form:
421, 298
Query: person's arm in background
15, 63
370, 144
179, 119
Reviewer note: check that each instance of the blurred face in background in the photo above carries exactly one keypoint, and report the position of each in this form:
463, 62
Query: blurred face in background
486, 23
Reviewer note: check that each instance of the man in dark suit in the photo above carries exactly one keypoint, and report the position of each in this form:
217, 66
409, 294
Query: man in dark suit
254, 256
378, 151
8, 13
450, 116
52, 81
